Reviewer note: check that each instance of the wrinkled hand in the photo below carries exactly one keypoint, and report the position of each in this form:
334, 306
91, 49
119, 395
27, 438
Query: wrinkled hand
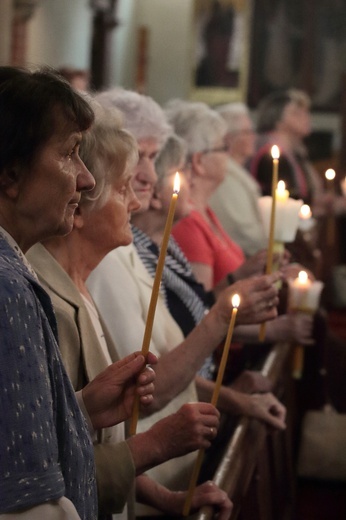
296, 327
209, 494
258, 299
251, 381
109, 398
268, 409
206, 494
192, 427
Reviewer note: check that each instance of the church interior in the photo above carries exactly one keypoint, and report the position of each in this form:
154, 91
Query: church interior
237, 51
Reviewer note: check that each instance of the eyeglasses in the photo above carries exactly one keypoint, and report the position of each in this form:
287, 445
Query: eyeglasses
220, 149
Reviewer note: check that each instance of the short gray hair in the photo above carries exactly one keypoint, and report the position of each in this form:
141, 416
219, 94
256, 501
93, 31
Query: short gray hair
230, 113
143, 117
173, 154
109, 152
198, 124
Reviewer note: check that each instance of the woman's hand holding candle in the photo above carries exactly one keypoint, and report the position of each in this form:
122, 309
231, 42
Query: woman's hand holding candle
304, 297
259, 299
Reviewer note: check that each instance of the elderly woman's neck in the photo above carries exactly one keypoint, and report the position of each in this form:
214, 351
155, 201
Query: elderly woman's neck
73, 258
151, 222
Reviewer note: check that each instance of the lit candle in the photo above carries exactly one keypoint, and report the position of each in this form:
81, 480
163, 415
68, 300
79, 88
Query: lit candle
156, 289
281, 193
275, 155
214, 399
306, 222
305, 212
222, 367
275, 152
330, 176
304, 296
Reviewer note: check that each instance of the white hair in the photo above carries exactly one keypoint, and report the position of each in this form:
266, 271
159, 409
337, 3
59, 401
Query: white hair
198, 124
143, 117
231, 114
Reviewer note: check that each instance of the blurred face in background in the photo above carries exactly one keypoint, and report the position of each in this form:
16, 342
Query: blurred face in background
296, 120
241, 143
144, 177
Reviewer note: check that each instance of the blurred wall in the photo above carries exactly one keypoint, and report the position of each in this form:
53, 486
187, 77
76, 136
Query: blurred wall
5, 31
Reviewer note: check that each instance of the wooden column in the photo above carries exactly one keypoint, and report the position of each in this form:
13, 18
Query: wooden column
104, 21
23, 10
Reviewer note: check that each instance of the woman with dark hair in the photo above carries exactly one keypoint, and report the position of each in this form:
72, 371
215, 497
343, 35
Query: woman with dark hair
284, 119
47, 467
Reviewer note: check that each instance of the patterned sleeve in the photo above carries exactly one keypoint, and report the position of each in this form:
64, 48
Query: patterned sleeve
29, 472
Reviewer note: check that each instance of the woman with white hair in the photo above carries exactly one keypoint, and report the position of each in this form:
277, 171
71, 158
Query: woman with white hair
235, 201
213, 255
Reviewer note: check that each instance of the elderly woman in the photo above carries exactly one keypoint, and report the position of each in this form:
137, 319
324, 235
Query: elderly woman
63, 265
122, 287
213, 255
47, 466
235, 201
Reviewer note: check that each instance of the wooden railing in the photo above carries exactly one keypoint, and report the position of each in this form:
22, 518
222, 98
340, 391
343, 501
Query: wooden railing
256, 469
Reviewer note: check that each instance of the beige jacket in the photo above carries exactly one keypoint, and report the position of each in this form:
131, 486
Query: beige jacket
84, 359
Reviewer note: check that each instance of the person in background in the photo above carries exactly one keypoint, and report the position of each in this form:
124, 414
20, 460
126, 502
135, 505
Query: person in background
47, 465
235, 201
63, 264
213, 255
284, 119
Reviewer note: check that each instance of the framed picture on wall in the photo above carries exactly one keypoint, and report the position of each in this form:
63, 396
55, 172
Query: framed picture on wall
220, 50
298, 45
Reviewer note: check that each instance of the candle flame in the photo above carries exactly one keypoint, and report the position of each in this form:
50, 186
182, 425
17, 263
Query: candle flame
303, 276
305, 211
275, 152
330, 174
176, 186
281, 186
236, 300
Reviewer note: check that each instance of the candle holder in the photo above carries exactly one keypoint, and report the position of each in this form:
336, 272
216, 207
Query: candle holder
303, 297
286, 217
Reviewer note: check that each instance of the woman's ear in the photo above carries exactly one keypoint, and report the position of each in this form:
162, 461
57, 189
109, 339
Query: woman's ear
155, 202
9, 181
197, 167
79, 220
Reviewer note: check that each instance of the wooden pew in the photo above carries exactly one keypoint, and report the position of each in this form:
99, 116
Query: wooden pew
256, 469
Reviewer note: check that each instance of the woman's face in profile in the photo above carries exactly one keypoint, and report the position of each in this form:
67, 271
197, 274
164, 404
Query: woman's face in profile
48, 191
296, 119
109, 226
